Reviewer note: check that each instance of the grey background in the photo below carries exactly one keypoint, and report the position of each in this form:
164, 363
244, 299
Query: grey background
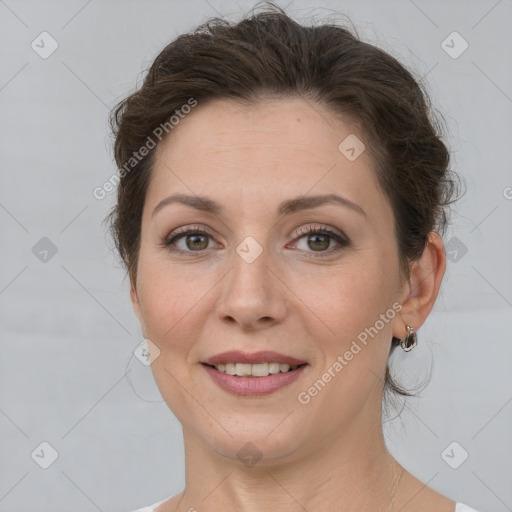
67, 374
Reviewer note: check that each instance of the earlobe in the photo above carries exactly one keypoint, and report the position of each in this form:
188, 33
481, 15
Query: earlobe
426, 275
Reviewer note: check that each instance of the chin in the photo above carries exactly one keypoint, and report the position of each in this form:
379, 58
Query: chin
265, 439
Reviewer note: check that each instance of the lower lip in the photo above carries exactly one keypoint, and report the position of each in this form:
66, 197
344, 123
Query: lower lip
253, 386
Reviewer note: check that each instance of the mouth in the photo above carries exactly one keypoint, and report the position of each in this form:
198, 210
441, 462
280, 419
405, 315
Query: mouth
257, 370
237, 357
256, 374
253, 374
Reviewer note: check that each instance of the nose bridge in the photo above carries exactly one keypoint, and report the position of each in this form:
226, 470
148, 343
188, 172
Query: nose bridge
250, 291
251, 262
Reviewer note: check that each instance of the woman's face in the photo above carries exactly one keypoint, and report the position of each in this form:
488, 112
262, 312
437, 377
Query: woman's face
258, 280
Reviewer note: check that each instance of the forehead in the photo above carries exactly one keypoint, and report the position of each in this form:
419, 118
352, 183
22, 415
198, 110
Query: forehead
262, 153
272, 127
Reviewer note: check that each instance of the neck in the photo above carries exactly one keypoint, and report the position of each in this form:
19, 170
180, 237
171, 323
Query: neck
353, 471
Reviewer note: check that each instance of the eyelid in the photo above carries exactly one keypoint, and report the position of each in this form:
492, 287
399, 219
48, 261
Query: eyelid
312, 228
186, 230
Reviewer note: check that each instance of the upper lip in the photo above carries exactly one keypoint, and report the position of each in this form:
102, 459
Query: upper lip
266, 356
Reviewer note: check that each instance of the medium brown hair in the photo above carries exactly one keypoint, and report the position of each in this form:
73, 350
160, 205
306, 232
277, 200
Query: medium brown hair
270, 55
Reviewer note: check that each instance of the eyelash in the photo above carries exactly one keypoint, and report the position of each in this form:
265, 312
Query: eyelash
300, 233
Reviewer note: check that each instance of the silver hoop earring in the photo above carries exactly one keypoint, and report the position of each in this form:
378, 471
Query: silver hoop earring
410, 341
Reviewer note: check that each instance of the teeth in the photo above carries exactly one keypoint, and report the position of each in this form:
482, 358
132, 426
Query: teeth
273, 367
243, 370
258, 370
254, 370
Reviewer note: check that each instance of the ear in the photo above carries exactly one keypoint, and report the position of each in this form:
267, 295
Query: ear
135, 299
421, 291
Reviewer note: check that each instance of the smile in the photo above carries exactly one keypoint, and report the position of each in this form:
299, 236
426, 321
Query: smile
243, 382
254, 370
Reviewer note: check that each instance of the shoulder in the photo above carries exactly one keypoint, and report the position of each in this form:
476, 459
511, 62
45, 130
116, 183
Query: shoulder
460, 507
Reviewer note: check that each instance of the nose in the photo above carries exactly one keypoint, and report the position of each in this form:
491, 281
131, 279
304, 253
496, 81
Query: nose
252, 295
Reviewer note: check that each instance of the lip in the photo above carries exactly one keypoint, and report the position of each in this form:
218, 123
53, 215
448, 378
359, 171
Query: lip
266, 356
253, 386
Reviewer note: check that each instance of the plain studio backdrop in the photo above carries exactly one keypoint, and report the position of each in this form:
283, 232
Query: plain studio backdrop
82, 424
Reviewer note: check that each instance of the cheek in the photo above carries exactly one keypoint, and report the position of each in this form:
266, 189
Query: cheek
168, 311
173, 304
362, 290
357, 306
172, 313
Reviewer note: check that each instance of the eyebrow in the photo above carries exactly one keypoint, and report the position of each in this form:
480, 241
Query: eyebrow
287, 207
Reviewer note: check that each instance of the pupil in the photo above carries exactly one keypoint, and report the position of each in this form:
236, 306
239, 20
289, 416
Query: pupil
197, 242
321, 240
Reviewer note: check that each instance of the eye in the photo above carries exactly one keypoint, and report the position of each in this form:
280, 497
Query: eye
189, 239
311, 239
320, 240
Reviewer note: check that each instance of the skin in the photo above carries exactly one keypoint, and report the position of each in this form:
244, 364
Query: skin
330, 453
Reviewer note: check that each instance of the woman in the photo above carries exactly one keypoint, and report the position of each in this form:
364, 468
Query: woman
280, 211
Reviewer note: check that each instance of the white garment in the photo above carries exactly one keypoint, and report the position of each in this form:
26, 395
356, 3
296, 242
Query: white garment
151, 508
459, 507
